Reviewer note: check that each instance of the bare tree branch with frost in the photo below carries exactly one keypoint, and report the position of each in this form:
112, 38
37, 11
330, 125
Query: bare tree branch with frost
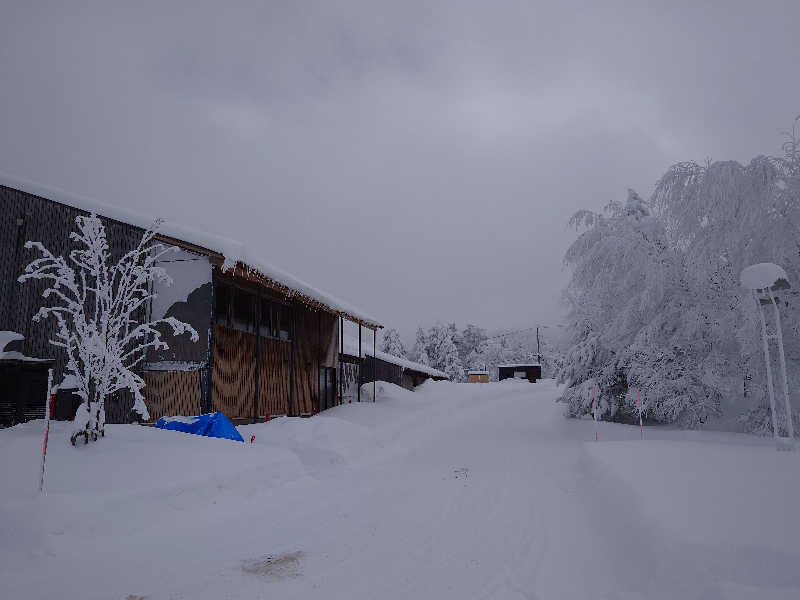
100, 311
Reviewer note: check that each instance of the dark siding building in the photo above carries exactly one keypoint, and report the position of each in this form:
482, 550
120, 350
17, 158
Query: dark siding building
531, 372
374, 365
23, 217
267, 344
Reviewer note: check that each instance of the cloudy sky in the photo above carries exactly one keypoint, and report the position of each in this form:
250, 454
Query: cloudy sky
419, 159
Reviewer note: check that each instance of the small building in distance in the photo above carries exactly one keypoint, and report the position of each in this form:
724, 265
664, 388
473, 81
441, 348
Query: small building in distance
530, 371
478, 376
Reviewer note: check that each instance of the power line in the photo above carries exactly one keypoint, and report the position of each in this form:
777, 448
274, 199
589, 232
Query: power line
514, 332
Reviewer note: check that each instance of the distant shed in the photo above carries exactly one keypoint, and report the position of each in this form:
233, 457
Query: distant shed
478, 376
530, 371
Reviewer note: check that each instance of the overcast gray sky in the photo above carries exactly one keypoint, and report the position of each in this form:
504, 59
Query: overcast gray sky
418, 159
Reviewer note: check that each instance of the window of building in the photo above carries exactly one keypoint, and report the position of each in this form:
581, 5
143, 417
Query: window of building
243, 310
275, 320
284, 322
266, 326
222, 306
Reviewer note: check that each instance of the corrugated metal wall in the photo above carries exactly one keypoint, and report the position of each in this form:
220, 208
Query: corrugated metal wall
26, 217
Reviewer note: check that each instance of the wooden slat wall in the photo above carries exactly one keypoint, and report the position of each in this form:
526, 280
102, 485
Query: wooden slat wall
172, 393
233, 380
273, 381
234, 367
305, 361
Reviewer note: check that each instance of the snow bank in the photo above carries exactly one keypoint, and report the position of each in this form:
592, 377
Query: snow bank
725, 503
453, 491
384, 390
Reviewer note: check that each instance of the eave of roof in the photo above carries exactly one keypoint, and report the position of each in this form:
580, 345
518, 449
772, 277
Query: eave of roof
227, 254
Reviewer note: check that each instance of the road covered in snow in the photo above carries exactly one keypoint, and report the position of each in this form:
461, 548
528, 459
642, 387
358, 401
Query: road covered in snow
454, 491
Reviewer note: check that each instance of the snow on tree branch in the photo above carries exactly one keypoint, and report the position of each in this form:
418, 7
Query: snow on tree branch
100, 313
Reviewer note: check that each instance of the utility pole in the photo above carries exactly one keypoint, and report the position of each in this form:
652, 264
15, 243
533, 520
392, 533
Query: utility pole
538, 347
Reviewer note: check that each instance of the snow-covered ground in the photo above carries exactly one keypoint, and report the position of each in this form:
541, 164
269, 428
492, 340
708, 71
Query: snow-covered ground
454, 491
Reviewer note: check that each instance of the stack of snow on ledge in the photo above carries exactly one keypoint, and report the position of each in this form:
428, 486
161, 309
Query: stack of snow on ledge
351, 348
232, 251
6, 337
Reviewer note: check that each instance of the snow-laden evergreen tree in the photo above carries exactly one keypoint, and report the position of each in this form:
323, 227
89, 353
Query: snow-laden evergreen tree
476, 361
392, 344
443, 352
470, 341
100, 308
420, 351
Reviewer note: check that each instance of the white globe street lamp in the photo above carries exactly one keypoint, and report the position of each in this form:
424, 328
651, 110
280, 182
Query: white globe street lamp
765, 280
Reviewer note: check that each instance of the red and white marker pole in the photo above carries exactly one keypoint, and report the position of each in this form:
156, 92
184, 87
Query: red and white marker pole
48, 407
639, 406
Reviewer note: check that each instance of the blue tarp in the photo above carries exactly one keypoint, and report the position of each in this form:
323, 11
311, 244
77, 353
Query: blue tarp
211, 425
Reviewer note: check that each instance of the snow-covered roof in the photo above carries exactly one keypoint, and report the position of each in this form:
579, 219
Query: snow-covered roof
14, 355
535, 364
70, 383
351, 348
301, 287
477, 372
232, 251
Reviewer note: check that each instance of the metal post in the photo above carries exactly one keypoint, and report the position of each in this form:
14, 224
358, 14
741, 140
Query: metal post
47, 404
769, 367
257, 318
360, 362
782, 357
291, 363
209, 379
538, 348
374, 364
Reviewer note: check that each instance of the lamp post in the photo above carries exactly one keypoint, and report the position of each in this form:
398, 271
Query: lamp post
765, 280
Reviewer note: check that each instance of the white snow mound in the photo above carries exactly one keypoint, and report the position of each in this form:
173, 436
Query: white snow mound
761, 276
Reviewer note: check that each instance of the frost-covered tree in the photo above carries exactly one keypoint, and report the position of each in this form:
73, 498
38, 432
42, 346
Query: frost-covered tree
725, 216
392, 344
625, 280
470, 341
655, 299
420, 351
443, 352
99, 308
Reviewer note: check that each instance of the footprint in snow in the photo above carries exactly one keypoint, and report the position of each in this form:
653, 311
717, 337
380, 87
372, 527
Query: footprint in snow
278, 566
